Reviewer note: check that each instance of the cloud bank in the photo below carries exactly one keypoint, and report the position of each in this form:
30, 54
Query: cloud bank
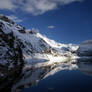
7, 4
35, 7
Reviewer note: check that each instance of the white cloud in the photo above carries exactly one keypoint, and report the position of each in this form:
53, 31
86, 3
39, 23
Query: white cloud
35, 7
51, 27
14, 18
7, 4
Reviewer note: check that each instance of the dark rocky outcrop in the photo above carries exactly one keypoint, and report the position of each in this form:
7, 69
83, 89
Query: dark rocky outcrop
22, 31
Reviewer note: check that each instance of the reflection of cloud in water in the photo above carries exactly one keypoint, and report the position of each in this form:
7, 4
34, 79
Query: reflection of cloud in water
85, 66
51, 88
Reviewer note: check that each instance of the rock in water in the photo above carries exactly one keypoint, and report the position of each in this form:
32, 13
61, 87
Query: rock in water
85, 49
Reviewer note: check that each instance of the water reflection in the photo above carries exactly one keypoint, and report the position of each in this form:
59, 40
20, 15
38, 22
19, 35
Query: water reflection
31, 76
85, 66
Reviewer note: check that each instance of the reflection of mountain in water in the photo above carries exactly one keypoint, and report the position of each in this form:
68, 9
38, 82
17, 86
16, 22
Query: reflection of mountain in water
31, 76
85, 66
34, 75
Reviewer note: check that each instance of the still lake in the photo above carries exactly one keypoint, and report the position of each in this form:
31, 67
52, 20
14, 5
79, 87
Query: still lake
64, 81
75, 80
65, 77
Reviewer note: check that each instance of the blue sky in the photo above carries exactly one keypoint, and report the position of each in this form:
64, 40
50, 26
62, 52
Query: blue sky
66, 21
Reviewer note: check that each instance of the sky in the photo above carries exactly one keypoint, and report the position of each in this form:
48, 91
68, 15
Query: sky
65, 21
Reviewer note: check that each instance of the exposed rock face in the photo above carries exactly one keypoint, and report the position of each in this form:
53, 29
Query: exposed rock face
85, 49
11, 59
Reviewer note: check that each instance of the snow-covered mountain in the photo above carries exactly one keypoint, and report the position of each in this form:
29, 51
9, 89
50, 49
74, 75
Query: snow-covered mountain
35, 46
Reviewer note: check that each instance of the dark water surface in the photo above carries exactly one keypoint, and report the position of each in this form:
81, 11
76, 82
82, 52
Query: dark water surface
64, 81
